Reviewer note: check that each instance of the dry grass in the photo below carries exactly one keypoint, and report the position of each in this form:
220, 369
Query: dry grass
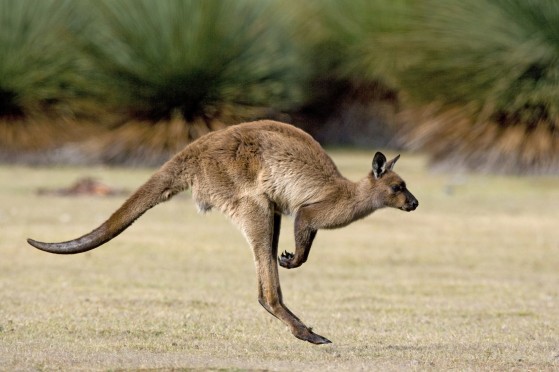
469, 281
454, 140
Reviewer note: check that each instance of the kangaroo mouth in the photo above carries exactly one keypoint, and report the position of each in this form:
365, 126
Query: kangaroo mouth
408, 208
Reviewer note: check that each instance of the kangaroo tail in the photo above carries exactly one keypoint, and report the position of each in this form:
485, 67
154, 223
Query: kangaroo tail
159, 188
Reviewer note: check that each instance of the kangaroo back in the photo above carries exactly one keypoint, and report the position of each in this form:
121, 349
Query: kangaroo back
160, 187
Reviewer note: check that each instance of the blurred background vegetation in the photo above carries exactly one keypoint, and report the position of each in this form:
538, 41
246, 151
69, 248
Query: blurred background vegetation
474, 84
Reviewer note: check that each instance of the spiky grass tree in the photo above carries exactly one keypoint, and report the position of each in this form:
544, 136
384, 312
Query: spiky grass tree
42, 79
177, 69
485, 80
354, 40
349, 46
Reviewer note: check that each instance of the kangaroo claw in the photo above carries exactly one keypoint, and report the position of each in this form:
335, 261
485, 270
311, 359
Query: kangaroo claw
286, 260
287, 255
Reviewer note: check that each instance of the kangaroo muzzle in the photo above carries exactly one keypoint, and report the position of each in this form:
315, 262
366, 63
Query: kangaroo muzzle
411, 203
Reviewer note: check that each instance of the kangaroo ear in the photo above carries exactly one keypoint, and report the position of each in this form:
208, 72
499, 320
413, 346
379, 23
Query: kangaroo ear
390, 164
379, 165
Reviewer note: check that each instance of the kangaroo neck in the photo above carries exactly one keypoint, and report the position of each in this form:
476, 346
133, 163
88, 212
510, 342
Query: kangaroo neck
350, 202
365, 198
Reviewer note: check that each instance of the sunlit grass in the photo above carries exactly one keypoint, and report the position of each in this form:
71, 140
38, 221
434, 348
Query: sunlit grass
468, 281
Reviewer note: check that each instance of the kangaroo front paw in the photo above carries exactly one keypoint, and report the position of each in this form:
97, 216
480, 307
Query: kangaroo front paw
287, 260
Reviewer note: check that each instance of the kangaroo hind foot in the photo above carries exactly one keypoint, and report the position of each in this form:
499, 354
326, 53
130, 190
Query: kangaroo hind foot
306, 334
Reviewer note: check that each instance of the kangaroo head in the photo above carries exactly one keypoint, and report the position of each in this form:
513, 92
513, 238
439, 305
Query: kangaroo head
390, 187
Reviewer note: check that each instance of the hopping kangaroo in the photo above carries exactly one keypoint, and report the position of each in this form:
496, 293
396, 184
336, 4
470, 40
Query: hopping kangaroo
254, 173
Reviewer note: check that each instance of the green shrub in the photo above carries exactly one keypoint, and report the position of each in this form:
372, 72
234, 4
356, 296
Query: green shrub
189, 66
350, 97
354, 40
485, 74
43, 82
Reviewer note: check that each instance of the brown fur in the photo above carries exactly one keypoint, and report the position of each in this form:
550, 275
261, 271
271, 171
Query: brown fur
254, 173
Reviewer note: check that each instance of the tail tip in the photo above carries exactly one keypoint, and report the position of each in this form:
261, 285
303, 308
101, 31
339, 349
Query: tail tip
34, 243
70, 247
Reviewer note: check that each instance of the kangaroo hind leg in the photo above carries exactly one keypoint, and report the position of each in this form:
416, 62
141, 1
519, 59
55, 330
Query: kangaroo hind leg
261, 227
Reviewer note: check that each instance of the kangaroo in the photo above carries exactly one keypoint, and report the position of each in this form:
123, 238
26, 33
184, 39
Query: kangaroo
254, 173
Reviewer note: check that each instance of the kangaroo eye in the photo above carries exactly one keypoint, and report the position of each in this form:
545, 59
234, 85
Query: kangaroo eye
396, 188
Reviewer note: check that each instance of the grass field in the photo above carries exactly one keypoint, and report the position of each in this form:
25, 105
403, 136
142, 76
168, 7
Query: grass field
469, 281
